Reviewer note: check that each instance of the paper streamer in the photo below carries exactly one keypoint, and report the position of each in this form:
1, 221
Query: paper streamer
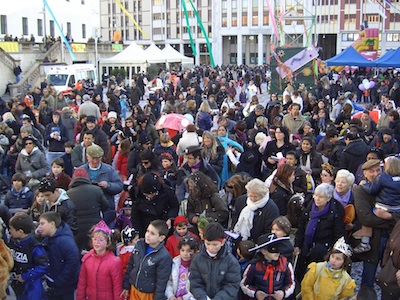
130, 17
59, 28
204, 33
188, 28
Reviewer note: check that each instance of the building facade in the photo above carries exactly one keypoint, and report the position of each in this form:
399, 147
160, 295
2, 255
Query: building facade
78, 19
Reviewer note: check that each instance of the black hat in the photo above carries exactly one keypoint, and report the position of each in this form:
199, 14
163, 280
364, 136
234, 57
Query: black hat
144, 139
269, 241
150, 183
90, 119
192, 149
30, 138
47, 184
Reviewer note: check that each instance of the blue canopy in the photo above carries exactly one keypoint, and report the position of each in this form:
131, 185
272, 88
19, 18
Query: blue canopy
391, 59
349, 57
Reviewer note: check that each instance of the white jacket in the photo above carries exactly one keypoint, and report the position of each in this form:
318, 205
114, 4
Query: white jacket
172, 284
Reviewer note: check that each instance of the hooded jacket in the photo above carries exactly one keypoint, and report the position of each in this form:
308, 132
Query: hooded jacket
88, 209
173, 281
63, 271
66, 209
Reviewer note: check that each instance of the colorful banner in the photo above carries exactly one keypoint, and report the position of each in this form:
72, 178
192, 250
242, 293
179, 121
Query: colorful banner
117, 47
9, 46
130, 17
78, 47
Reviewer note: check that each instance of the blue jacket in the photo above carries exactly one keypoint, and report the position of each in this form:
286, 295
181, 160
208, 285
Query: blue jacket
63, 272
18, 200
386, 188
31, 261
149, 273
215, 277
204, 121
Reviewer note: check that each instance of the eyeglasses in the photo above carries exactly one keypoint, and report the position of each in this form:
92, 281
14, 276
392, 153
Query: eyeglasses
145, 162
29, 143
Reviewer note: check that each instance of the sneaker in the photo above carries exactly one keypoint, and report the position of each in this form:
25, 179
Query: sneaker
362, 248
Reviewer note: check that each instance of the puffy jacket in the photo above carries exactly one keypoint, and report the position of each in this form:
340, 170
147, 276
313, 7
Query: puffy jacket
145, 270
35, 163
64, 260
172, 285
204, 121
18, 200
283, 277
215, 277
88, 209
100, 277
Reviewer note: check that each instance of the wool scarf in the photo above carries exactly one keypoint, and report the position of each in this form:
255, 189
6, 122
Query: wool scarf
344, 200
315, 214
245, 221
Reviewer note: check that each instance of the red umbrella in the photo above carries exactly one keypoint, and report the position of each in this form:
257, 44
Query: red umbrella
173, 121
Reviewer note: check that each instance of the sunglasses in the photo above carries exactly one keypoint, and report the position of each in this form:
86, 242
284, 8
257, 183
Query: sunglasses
29, 143
145, 162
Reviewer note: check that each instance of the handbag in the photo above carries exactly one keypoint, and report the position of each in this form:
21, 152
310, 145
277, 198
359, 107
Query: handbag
387, 276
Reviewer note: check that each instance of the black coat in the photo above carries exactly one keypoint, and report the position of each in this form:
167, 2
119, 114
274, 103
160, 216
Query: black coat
87, 208
353, 155
330, 228
281, 196
163, 206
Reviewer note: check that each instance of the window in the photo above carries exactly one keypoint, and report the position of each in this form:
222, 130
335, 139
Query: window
52, 33
393, 37
3, 24
158, 2
39, 27
84, 31
349, 37
25, 26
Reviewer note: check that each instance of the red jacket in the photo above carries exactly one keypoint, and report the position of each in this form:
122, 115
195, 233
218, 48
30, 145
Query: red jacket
122, 164
100, 277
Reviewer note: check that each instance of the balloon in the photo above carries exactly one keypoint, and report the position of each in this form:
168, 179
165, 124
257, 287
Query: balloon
367, 85
361, 87
189, 117
371, 84
365, 81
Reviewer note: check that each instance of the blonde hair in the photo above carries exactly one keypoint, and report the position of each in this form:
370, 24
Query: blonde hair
191, 104
213, 150
164, 138
261, 122
392, 166
205, 107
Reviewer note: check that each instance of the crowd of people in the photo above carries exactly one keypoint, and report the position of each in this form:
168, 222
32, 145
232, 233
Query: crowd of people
250, 200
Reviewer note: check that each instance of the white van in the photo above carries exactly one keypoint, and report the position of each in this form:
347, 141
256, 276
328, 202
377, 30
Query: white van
65, 77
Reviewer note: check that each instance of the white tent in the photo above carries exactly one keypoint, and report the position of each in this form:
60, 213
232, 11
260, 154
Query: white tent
173, 55
155, 54
133, 59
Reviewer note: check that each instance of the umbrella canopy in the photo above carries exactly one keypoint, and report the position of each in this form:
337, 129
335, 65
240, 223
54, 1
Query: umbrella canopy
349, 57
173, 121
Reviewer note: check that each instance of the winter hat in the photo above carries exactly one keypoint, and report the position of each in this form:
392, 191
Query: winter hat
144, 139
90, 119
147, 155
80, 173
127, 203
29, 138
150, 183
167, 156
112, 114
47, 184
180, 220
